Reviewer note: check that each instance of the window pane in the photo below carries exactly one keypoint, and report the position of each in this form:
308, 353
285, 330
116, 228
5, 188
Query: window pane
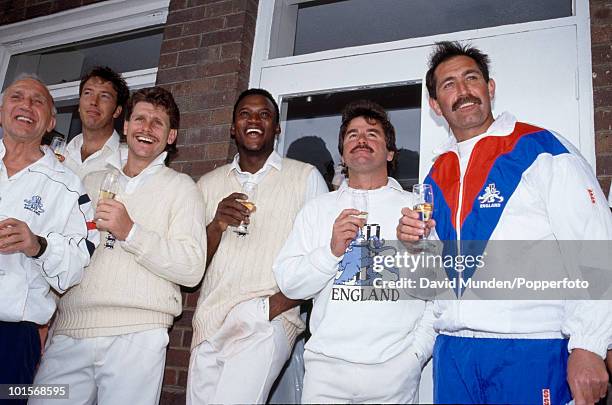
313, 123
325, 24
124, 53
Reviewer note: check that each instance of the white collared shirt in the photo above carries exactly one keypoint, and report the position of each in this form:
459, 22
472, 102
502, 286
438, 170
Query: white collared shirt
130, 184
95, 162
315, 184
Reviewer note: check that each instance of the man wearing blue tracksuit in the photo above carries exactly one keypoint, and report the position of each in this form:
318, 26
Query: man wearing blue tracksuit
499, 179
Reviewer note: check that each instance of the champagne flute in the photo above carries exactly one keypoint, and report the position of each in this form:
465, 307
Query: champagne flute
58, 146
109, 189
250, 190
424, 207
359, 201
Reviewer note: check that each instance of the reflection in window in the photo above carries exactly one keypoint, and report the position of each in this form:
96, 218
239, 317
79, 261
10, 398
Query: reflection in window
124, 52
325, 24
313, 123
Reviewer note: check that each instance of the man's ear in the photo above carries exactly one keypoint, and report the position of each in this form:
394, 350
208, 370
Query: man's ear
433, 103
125, 127
172, 136
233, 131
51, 125
117, 112
491, 86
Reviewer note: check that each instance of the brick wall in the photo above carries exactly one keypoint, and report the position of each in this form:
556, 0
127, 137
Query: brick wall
601, 47
205, 61
18, 10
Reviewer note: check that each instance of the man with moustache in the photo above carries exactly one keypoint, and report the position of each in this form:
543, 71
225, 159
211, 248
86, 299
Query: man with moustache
363, 350
102, 97
45, 218
509, 351
244, 328
111, 331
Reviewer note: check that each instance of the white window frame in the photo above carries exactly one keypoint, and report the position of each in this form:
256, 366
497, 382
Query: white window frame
271, 31
79, 24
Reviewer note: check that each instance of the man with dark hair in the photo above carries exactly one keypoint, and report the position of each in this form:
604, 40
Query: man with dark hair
363, 348
244, 328
111, 333
45, 220
102, 97
500, 179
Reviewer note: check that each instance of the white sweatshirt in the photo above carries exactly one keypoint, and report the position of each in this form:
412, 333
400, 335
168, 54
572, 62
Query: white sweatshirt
342, 325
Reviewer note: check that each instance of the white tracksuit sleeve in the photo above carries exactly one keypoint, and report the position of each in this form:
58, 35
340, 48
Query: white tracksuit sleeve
424, 334
69, 251
304, 265
578, 211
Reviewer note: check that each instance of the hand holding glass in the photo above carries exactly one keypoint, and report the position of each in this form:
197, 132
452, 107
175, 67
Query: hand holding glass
359, 201
249, 189
424, 202
109, 189
58, 146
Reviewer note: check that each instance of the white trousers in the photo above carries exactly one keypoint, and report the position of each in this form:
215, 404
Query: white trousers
330, 380
109, 370
240, 363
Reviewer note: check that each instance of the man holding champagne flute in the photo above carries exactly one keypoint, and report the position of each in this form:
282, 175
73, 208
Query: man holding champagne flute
367, 345
46, 229
244, 328
501, 179
111, 333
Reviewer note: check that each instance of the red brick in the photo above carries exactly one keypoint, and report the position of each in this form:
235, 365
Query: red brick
604, 165
601, 11
177, 5
177, 358
173, 31
186, 15
170, 376
198, 169
602, 97
188, 337
188, 57
217, 151
222, 37
176, 337
184, 319
203, 26
232, 50
196, 119
601, 33
172, 397
235, 20
178, 74
200, 85
189, 153
222, 67
221, 116
38, 10
180, 44
210, 134
602, 75
601, 54
168, 60
221, 8
226, 82
604, 182
603, 119
182, 378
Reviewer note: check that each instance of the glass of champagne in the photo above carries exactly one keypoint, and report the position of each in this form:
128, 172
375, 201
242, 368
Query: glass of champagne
424, 206
250, 190
109, 189
359, 201
58, 146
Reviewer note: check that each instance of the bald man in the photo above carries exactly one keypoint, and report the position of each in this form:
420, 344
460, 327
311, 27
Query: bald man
46, 228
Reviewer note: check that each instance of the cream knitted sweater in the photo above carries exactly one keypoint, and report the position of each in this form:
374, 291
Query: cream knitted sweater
134, 287
242, 267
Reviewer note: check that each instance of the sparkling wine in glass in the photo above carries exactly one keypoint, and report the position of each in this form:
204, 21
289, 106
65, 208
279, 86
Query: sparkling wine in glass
109, 189
58, 146
359, 201
424, 202
250, 190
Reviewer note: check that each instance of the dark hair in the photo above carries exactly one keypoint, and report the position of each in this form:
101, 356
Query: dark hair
444, 51
108, 75
369, 110
159, 97
257, 92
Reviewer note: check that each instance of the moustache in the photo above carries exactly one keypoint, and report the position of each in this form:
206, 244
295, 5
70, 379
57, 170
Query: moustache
366, 147
464, 100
